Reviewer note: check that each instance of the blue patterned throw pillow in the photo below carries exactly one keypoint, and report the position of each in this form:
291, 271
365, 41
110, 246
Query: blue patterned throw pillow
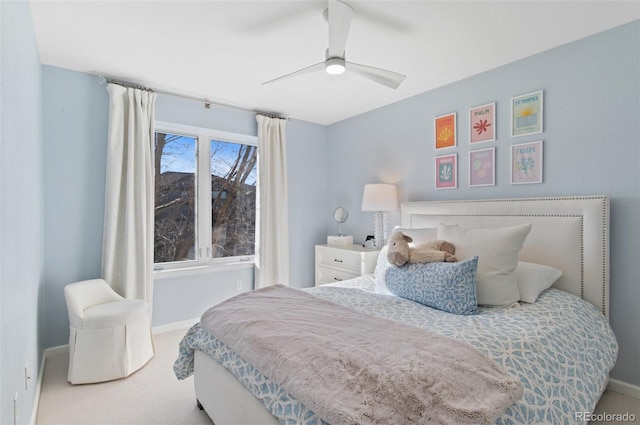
449, 287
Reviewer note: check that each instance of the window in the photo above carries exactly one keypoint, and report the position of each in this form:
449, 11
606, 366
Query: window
205, 196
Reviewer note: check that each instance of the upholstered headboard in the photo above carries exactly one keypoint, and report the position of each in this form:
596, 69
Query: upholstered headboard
568, 233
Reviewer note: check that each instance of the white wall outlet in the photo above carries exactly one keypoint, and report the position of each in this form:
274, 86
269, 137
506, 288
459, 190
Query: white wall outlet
27, 377
239, 285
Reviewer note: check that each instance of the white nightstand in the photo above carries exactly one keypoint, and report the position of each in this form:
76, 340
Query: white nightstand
335, 263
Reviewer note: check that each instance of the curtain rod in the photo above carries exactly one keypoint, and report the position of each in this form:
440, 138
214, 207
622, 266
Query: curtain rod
207, 103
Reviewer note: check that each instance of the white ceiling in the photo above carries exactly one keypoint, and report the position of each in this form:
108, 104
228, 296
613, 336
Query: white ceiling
224, 50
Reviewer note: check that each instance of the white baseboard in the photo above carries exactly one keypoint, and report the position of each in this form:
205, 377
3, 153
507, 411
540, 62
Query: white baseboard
624, 388
170, 327
55, 351
48, 352
36, 401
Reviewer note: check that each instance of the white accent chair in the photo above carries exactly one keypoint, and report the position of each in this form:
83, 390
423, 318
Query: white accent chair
109, 336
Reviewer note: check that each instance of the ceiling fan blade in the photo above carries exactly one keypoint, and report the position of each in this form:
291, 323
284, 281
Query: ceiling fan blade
381, 76
307, 70
339, 18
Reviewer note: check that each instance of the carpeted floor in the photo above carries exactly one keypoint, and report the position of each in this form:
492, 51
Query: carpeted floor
153, 396
150, 396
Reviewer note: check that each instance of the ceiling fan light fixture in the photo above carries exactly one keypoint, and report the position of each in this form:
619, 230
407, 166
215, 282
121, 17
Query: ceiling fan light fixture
334, 66
338, 16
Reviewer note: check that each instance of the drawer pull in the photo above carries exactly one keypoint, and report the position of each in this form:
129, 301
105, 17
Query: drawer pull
338, 279
337, 260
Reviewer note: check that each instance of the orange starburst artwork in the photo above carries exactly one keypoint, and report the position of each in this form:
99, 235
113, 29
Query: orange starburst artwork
445, 134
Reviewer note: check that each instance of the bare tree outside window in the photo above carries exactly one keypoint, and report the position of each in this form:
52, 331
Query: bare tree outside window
233, 171
233, 199
175, 195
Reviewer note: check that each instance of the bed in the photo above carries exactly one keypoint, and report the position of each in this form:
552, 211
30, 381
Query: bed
559, 347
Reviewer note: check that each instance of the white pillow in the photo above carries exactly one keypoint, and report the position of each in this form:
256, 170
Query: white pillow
382, 264
418, 234
533, 279
497, 250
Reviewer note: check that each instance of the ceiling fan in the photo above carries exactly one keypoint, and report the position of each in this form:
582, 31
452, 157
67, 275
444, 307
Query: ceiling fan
339, 15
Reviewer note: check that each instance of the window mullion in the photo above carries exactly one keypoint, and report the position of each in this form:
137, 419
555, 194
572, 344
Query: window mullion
204, 197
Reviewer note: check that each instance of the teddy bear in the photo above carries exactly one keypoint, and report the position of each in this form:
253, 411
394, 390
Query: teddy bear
399, 252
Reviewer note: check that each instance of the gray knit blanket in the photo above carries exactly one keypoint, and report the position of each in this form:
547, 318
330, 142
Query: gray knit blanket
354, 368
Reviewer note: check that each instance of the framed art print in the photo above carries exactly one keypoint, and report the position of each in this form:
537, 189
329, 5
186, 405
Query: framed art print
447, 171
445, 131
526, 114
482, 123
482, 167
526, 163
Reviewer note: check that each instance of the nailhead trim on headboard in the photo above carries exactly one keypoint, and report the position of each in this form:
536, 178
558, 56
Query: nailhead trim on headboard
605, 248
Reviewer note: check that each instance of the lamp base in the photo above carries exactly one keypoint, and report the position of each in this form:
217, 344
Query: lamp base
380, 229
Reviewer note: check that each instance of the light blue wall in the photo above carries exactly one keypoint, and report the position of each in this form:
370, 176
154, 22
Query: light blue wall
75, 113
307, 168
21, 210
591, 146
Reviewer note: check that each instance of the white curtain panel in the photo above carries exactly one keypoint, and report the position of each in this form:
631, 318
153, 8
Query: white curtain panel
272, 229
127, 250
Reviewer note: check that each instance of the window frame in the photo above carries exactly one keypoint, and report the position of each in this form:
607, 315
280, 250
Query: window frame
203, 137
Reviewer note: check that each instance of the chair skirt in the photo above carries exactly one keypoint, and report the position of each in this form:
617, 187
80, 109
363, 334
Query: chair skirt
104, 354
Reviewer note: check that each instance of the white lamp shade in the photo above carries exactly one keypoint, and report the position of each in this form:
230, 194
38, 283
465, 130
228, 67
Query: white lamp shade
380, 197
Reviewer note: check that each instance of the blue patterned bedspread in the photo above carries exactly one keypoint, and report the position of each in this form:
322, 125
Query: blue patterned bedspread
561, 348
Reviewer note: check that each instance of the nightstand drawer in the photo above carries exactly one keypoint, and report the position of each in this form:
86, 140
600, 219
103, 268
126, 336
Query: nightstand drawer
329, 275
339, 258
337, 263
